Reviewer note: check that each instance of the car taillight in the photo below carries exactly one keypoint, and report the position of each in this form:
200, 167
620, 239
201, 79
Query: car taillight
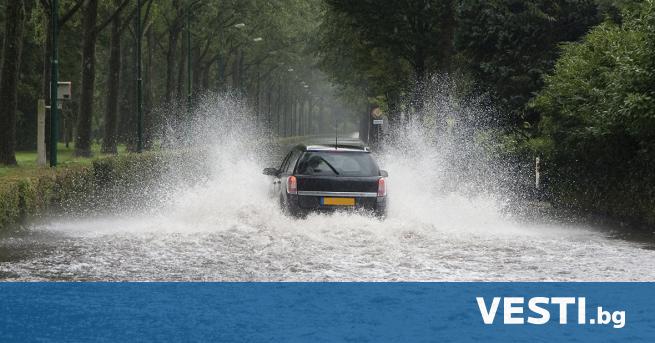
292, 185
382, 188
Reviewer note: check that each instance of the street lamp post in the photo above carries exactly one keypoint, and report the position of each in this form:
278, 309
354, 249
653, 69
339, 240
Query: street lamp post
54, 82
139, 80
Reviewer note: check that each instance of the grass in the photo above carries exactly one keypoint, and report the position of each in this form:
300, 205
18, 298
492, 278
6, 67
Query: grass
27, 166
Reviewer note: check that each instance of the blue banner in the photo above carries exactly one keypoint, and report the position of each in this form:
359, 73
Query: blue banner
327, 312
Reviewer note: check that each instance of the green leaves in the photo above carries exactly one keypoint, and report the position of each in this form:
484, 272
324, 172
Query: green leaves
509, 45
604, 81
598, 109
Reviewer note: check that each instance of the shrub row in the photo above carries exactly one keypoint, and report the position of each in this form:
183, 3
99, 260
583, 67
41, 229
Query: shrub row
101, 186
625, 193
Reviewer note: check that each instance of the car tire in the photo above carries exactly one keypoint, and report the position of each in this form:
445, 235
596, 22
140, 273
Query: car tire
291, 210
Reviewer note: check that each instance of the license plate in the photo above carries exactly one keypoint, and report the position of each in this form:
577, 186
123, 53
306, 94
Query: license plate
338, 201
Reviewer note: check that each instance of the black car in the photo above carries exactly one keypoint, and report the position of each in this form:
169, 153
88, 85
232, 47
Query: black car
329, 177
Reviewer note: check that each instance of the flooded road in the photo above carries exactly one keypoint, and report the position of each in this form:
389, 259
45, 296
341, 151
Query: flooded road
228, 229
259, 244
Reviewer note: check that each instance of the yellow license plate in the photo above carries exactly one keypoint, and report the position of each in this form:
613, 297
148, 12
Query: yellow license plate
339, 201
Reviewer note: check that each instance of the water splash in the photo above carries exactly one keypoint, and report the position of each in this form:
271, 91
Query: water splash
443, 222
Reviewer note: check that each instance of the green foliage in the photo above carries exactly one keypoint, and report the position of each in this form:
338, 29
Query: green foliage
9, 204
386, 49
359, 69
418, 32
224, 57
38, 195
100, 186
509, 45
598, 112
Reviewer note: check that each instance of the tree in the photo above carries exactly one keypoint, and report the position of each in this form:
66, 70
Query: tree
216, 44
420, 32
113, 82
508, 45
361, 71
90, 31
598, 118
118, 26
12, 48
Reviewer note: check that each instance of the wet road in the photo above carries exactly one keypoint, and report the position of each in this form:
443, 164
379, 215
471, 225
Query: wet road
229, 229
233, 232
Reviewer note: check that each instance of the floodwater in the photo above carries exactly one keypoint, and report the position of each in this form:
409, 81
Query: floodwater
252, 241
228, 229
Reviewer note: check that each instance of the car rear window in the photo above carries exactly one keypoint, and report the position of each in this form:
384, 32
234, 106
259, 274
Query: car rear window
335, 163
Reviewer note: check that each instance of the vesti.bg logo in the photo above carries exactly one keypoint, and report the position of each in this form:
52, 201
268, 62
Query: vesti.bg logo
539, 309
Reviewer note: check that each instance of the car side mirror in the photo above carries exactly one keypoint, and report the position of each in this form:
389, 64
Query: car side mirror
271, 171
384, 173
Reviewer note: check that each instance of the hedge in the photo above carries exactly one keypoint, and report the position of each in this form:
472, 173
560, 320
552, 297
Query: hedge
103, 186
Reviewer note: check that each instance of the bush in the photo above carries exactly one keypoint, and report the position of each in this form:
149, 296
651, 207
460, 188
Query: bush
598, 119
78, 189
9, 204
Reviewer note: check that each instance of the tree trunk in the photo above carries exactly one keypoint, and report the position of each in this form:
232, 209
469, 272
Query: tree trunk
447, 36
269, 110
113, 83
258, 109
220, 76
198, 71
301, 116
294, 117
235, 72
128, 118
242, 72
127, 104
421, 82
12, 47
148, 120
204, 84
320, 118
68, 119
284, 111
310, 116
170, 62
393, 102
84, 119
278, 109
181, 80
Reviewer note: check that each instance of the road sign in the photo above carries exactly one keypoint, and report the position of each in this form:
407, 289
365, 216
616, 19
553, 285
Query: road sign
65, 90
